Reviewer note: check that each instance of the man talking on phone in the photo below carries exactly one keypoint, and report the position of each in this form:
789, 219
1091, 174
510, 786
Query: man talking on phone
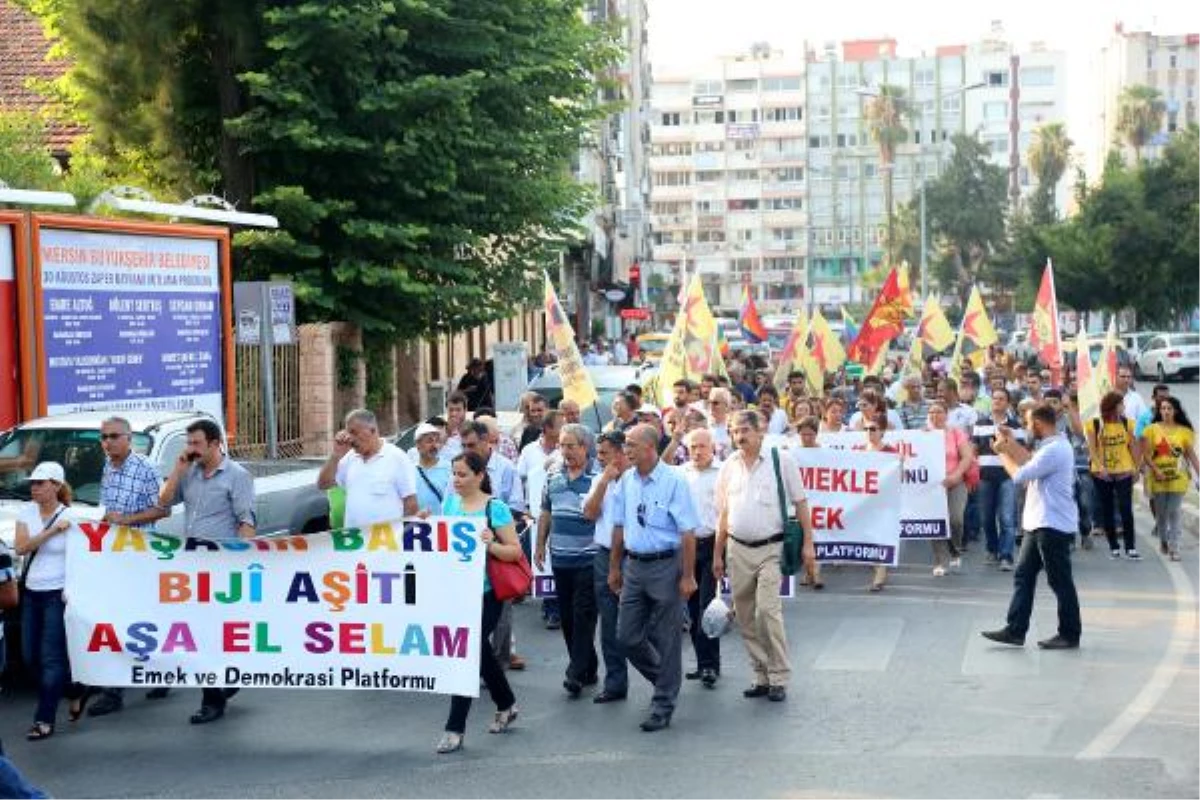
218, 502
1051, 518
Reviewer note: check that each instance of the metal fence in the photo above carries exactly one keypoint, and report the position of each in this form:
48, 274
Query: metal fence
251, 439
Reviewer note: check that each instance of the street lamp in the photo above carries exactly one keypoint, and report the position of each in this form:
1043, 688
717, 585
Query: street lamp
866, 91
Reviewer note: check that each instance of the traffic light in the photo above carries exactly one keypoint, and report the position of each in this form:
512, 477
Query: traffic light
635, 277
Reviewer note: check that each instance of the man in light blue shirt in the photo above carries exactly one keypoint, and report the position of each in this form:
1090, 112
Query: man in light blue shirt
433, 472
600, 505
654, 524
1051, 519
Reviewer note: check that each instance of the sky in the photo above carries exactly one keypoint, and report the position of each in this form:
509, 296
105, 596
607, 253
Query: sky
685, 32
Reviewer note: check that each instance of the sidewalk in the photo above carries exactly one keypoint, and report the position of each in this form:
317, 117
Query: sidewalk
1190, 518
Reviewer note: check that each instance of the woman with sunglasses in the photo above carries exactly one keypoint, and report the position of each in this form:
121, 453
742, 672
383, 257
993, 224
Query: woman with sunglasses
1168, 448
41, 538
960, 455
875, 430
472, 497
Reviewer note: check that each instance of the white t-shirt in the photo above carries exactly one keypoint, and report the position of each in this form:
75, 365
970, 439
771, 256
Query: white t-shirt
894, 421
778, 422
376, 488
531, 469
49, 568
1134, 405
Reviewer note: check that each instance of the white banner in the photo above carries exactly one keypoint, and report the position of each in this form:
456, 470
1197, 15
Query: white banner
855, 503
397, 606
923, 510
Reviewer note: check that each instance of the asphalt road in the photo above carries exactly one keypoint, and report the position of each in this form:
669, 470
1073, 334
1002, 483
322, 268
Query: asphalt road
894, 694
1188, 394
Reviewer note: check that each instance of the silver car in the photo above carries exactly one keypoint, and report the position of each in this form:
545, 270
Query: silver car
1171, 355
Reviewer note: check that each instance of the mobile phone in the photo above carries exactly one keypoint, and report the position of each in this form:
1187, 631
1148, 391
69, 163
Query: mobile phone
193, 456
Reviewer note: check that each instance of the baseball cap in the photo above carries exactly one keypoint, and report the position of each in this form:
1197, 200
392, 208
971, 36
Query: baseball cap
424, 429
649, 409
48, 471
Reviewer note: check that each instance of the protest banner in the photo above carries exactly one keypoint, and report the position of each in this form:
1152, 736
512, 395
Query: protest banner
923, 510
396, 606
854, 499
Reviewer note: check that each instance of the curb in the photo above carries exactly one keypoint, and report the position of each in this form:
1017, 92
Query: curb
1189, 518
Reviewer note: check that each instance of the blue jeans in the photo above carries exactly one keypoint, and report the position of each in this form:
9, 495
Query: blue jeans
616, 670
971, 518
1047, 549
44, 648
13, 783
998, 512
1085, 498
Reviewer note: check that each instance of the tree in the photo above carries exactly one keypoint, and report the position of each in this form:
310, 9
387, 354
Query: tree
416, 154
1140, 111
886, 114
1049, 155
965, 210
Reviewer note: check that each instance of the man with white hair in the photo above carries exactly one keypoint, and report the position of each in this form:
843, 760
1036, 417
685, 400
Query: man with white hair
379, 479
701, 473
433, 472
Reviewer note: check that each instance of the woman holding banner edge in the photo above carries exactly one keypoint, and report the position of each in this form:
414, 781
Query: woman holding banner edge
875, 429
960, 455
472, 498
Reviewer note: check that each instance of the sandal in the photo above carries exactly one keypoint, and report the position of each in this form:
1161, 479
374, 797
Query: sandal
39, 731
503, 720
450, 742
77, 707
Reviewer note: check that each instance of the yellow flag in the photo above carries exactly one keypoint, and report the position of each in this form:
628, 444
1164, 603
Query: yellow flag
975, 335
915, 363
1105, 373
693, 350
934, 329
796, 356
826, 350
577, 384
1089, 400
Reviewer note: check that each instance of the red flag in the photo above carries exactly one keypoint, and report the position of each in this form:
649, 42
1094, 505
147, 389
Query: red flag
1043, 334
749, 321
886, 320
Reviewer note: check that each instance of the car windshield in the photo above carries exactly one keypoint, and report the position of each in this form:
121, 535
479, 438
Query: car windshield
77, 450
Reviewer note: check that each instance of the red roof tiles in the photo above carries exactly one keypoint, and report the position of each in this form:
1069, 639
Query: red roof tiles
23, 60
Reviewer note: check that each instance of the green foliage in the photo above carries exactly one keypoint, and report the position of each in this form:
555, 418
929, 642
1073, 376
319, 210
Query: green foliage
1140, 111
347, 366
886, 114
379, 357
1049, 155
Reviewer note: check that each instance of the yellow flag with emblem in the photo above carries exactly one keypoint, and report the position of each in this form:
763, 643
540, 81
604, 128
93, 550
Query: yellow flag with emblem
796, 357
577, 384
693, 350
975, 336
934, 329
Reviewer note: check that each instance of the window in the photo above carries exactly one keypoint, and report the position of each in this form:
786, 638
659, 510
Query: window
784, 204
707, 87
742, 85
999, 143
817, 142
952, 103
847, 140
843, 171
785, 234
788, 83
670, 209
744, 235
794, 146
787, 174
788, 114
671, 149
996, 78
743, 145
1035, 112
670, 119
996, 110
1037, 76
741, 265
821, 112
708, 117
1150, 59
710, 147
783, 262
708, 175
744, 204
847, 80
744, 175
711, 236
1172, 61
923, 77
672, 179
823, 82
870, 169
710, 206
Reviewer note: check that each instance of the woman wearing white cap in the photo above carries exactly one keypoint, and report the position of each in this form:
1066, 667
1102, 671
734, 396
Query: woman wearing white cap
41, 538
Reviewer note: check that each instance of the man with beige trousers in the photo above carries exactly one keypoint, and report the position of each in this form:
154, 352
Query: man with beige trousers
750, 525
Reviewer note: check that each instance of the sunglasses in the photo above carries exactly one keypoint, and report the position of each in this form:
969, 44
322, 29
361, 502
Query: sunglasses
107, 436
871, 429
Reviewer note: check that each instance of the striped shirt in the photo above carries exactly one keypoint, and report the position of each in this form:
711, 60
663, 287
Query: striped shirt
130, 488
572, 535
991, 468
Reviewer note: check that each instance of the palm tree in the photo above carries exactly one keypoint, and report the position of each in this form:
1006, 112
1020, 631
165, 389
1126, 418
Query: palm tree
886, 113
1049, 155
1140, 113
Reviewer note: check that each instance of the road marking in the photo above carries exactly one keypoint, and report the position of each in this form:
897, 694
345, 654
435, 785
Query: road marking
861, 645
983, 657
1165, 673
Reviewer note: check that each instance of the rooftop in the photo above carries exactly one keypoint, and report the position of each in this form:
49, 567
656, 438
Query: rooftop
24, 60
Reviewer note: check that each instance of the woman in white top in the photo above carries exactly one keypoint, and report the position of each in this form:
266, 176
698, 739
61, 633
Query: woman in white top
41, 537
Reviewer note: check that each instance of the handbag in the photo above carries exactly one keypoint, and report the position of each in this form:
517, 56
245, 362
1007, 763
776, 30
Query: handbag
509, 579
790, 561
11, 590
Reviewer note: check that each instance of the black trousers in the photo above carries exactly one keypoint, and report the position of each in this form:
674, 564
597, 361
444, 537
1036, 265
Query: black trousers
1116, 495
489, 669
577, 611
708, 651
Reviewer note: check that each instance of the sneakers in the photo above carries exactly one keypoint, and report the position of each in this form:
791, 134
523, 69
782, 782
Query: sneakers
1133, 555
1114, 554
1006, 565
939, 571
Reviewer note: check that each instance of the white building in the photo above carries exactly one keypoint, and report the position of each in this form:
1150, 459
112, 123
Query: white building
1166, 63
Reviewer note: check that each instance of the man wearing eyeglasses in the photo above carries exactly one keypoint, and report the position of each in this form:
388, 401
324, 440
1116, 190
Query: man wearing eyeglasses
654, 529
129, 487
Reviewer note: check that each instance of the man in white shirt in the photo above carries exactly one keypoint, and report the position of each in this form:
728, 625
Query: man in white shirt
1135, 406
701, 475
958, 414
774, 417
535, 458
379, 479
750, 520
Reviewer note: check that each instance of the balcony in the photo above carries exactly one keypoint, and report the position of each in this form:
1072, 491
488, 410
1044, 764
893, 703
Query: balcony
670, 133
662, 222
796, 157
708, 222
670, 163
744, 188
790, 218
671, 251
666, 193
785, 246
789, 127
793, 277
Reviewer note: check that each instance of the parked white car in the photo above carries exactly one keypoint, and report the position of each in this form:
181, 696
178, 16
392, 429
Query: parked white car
286, 493
1171, 355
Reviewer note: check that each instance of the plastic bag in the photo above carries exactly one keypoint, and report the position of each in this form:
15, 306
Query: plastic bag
717, 619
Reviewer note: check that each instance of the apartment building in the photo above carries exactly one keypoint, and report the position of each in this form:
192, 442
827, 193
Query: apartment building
764, 172
727, 165
614, 162
1138, 57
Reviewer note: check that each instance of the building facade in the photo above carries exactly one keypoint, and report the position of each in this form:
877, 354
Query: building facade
1166, 63
764, 173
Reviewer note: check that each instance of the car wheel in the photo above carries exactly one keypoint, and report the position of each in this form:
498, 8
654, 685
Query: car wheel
1162, 375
